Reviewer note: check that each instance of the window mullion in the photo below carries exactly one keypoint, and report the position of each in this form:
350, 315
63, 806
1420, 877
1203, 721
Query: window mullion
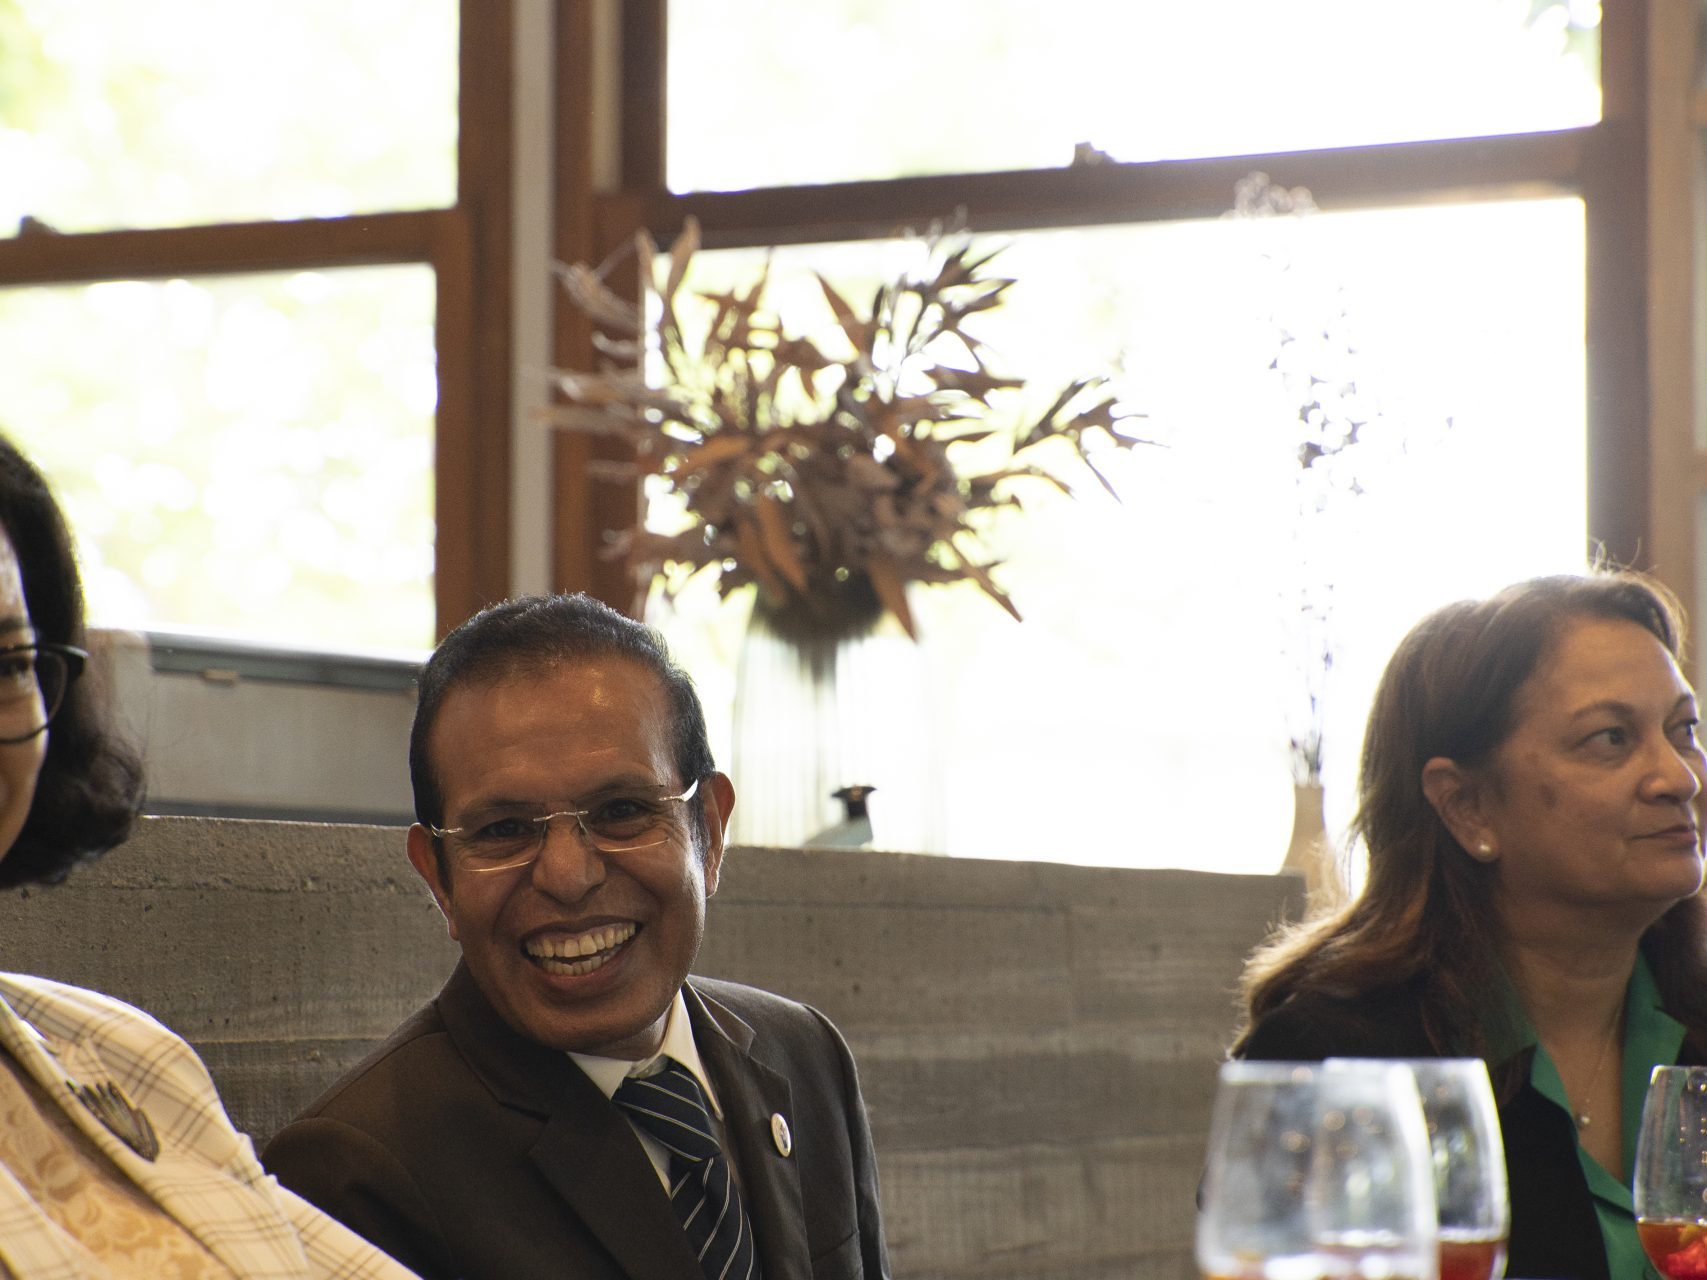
1156, 191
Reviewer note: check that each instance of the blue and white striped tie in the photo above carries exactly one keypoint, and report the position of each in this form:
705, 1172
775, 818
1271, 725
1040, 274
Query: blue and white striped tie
670, 1107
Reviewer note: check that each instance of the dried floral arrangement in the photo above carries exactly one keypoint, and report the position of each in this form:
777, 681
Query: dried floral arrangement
821, 469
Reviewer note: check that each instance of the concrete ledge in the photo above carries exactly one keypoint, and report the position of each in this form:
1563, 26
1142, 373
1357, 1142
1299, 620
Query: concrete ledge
1036, 1042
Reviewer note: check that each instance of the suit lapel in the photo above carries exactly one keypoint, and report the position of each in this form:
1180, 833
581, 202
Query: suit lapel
585, 1149
751, 1093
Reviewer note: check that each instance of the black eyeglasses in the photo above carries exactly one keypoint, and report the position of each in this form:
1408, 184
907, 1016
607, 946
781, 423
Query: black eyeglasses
33, 682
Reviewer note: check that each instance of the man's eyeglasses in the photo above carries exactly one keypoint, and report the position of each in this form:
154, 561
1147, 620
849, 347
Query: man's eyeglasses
621, 822
33, 682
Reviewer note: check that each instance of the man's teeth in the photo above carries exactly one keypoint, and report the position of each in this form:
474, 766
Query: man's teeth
581, 953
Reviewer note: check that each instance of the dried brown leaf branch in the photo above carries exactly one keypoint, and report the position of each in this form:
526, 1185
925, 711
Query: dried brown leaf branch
822, 468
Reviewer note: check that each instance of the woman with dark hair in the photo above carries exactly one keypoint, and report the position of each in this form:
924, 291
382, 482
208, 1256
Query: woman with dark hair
116, 1157
1530, 802
89, 785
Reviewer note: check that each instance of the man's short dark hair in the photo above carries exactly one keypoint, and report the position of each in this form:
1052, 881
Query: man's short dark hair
525, 635
90, 786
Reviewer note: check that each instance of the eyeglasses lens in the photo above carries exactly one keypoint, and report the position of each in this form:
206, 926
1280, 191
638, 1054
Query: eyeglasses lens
621, 825
620, 837
32, 687
54, 678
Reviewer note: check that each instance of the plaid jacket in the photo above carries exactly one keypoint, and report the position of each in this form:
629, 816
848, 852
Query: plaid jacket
206, 1175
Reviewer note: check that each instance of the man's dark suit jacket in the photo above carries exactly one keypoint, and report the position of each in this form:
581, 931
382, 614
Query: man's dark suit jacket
1554, 1230
467, 1151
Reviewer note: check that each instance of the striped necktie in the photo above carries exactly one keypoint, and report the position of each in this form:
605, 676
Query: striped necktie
670, 1107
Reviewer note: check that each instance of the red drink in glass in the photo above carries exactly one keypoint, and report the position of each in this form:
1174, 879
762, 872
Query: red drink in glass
1472, 1259
1677, 1249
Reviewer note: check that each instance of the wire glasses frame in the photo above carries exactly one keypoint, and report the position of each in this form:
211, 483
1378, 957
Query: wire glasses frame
617, 824
34, 679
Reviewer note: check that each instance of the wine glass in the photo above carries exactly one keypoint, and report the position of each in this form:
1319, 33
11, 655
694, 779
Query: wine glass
1671, 1173
1469, 1166
1317, 1172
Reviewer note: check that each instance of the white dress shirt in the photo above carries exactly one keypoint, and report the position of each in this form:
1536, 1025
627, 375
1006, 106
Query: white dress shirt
609, 1073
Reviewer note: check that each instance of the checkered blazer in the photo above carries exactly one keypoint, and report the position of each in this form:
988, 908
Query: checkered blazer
206, 1175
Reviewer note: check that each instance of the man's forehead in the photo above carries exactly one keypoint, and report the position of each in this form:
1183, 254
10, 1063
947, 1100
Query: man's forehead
594, 677
591, 708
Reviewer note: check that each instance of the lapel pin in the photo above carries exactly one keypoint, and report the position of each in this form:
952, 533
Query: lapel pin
781, 1136
124, 1119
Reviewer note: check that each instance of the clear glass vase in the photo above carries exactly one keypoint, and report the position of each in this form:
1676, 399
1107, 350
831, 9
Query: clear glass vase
816, 714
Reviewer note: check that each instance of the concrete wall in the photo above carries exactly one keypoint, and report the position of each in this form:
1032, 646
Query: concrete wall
283, 951
1037, 1043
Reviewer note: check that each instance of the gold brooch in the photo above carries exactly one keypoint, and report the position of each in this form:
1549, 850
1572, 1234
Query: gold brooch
125, 1120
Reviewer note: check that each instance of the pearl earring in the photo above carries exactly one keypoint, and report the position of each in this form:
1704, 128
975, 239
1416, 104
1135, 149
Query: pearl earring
1484, 848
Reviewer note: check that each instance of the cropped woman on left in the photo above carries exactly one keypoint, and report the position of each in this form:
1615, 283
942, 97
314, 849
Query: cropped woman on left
116, 1156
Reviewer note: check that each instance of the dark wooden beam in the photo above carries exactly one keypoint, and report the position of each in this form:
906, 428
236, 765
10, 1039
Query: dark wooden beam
1095, 194
645, 107
231, 249
586, 510
1615, 198
472, 467
574, 535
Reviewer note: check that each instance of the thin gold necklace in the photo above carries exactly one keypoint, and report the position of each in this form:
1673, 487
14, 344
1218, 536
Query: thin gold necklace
1582, 1115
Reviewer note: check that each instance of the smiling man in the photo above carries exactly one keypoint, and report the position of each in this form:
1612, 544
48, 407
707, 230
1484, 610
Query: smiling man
572, 1103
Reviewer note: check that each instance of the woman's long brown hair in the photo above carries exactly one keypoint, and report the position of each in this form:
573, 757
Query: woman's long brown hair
1426, 914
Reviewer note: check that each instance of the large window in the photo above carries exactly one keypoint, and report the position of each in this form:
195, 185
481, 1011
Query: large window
260, 317
246, 454
181, 113
770, 92
1473, 222
239, 308
1160, 658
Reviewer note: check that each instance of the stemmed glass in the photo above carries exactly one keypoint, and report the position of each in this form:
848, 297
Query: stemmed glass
1317, 1171
1671, 1173
1469, 1166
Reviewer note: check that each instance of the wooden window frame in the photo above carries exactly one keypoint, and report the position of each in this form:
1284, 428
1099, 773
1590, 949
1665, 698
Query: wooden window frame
1635, 170
468, 248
